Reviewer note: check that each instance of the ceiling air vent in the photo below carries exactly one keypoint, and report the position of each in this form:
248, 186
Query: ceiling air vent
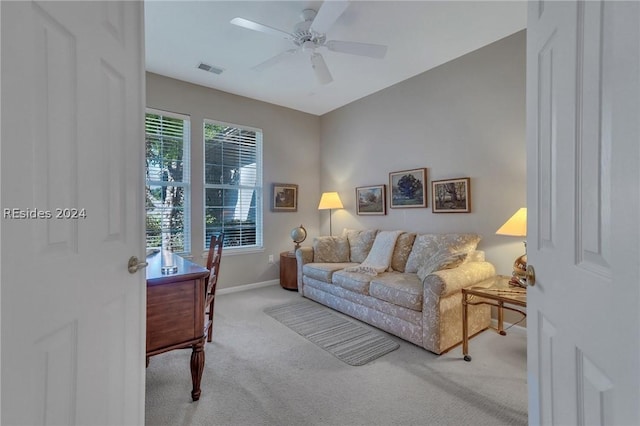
210, 68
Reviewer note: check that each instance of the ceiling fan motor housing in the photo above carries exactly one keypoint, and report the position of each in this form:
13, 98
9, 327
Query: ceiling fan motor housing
302, 32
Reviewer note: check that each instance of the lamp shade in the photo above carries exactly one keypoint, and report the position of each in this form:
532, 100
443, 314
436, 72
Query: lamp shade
516, 226
330, 200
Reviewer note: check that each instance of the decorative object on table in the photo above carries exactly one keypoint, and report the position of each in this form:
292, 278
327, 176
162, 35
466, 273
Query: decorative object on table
298, 235
167, 265
371, 200
451, 195
284, 197
329, 201
516, 226
408, 188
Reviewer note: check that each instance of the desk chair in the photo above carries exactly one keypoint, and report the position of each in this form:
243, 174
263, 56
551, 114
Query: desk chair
213, 265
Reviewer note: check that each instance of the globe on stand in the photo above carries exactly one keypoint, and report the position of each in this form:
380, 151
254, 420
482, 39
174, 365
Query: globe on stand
298, 235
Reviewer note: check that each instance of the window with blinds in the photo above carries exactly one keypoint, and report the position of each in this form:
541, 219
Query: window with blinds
233, 184
167, 195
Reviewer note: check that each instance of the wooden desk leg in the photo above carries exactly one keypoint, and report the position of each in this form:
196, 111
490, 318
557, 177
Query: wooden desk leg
465, 330
501, 319
197, 367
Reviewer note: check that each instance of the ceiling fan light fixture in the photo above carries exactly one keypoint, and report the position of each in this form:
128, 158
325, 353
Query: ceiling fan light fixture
309, 46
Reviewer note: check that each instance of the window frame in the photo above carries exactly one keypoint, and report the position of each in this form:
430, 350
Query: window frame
186, 176
258, 188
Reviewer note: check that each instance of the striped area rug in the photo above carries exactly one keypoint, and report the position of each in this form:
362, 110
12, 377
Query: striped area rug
349, 341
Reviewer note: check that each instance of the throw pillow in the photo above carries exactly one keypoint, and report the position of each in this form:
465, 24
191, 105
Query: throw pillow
428, 245
424, 247
330, 249
442, 260
360, 243
457, 243
404, 243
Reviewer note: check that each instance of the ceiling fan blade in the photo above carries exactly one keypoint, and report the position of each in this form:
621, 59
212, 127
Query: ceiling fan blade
274, 60
354, 48
255, 26
320, 67
329, 12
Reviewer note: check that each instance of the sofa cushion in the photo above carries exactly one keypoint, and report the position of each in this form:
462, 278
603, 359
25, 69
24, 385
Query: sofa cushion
323, 271
360, 243
441, 260
354, 281
330, 249
401, 252
398, 288
427, 245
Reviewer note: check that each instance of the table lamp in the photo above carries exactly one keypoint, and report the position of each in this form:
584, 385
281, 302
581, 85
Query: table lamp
328, 201
516, 226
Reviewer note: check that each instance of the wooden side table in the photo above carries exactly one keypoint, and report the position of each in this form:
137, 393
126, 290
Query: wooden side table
494, 291
288, 271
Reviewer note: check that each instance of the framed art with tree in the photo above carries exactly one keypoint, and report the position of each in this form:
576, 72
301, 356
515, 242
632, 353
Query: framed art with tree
408, 188
451, 195
371, 200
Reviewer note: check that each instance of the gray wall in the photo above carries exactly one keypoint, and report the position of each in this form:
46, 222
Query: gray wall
290, 155
465, 118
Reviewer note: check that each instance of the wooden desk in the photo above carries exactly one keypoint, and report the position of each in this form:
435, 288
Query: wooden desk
176, 312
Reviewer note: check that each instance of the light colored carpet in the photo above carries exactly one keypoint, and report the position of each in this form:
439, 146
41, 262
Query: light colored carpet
258, 372
347, 340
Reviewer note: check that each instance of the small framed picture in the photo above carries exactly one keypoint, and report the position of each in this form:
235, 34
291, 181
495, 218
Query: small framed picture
408, 188
371, 200
451, 195
284, 197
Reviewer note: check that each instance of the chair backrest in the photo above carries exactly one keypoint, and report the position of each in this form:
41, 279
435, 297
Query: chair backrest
213, 260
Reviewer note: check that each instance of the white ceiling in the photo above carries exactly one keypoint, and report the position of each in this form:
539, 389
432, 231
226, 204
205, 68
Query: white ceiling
420, 35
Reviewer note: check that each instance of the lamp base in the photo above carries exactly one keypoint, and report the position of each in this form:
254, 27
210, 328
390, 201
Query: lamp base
519, 274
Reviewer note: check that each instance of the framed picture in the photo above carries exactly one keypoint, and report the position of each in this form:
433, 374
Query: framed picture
371, 200
408, 188
284, 197
451, 195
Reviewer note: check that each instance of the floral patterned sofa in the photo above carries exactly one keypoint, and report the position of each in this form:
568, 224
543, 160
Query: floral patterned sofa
406, 284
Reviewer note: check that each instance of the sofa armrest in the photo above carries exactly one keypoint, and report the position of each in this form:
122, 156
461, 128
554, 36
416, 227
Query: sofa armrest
449, 281
303, 255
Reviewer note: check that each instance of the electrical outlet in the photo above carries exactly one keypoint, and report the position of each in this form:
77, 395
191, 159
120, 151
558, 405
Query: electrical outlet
270, 258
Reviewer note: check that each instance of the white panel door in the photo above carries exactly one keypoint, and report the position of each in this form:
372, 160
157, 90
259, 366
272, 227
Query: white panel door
583, 157
73, 317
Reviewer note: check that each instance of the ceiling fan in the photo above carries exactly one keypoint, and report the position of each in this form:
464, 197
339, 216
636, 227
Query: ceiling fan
310, 35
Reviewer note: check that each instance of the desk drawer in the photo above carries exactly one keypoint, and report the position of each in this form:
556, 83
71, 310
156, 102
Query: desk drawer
172, 316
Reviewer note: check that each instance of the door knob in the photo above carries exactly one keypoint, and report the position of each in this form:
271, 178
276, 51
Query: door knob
134, 265
530, 275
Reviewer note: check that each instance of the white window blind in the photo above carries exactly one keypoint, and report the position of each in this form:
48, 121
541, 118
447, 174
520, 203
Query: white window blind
167, 195
233, 184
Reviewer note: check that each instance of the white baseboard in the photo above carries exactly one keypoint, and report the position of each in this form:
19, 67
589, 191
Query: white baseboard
247, 287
